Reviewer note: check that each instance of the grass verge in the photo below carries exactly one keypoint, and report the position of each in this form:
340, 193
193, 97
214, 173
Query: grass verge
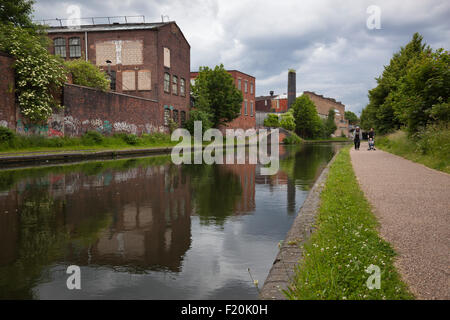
430, 147
345, 243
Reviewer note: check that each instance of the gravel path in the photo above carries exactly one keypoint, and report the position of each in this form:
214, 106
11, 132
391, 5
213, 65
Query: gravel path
412, 204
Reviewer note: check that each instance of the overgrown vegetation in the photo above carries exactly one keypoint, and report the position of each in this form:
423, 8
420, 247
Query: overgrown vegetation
430, 146
90, 140
344, 245
272, 120
38, 73
84, 73
292, 139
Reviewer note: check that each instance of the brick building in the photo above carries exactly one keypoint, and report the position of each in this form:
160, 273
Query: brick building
148, 60
324, 104
247, 85
272, 103
7, 96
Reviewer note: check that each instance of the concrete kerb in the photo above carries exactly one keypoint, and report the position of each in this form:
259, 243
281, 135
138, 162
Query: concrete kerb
290, 254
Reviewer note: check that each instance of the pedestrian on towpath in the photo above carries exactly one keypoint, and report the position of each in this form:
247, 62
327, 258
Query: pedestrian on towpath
357, 137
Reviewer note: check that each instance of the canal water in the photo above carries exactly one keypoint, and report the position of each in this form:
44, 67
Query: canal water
144, 228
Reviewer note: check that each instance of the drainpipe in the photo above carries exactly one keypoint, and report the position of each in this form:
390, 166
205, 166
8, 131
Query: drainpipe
86, 45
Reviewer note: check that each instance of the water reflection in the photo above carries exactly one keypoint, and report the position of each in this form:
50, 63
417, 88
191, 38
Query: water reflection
151, 218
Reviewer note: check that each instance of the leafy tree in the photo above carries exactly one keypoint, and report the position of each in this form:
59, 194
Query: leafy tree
329, 124
17, 12
307, 121
215, 93
383, 97
38, 73
198, 115
84, 73
424, 95
287, 121
351, 117
272, 120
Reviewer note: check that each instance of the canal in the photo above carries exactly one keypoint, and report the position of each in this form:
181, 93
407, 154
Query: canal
144, 228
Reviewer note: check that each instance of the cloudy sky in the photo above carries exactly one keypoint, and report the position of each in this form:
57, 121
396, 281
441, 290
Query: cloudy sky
328, 43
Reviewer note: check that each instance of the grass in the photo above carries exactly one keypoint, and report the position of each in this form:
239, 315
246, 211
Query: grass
430, 147
345, 243
91, 141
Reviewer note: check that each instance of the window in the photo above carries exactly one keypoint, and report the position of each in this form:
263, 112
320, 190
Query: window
166, 116
245, 107
182, 87
183, 117
112, 78
251, 88
167, 57
265, 103
251, 108
74, 47
245, 86
175, 85
60, 47
166, 82
144, 80
175, 116
128, 80
239, 84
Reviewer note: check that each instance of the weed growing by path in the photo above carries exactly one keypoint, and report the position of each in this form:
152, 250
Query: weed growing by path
344, 245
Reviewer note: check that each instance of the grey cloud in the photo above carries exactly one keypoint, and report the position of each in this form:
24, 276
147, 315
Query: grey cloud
266, 38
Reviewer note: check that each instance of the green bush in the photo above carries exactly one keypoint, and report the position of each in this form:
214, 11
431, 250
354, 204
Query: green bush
199, 115
128, 138
287, 121
92, 137
272, 120
292, 139
84, 73
6, 135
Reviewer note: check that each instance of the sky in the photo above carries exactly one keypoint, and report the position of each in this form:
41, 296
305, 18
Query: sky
337, 47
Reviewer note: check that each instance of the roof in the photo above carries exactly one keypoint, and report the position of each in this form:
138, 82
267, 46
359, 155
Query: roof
326, 98
229, 72
108, 27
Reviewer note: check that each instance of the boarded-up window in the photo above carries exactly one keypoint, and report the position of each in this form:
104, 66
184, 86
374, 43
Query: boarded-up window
132, 53
167, 57
128, 80
144, 80
105, 51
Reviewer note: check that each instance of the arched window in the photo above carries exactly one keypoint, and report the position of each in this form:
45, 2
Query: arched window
74, 47
60, 47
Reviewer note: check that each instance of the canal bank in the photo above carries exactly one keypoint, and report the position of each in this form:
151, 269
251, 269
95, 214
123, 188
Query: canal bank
282, 271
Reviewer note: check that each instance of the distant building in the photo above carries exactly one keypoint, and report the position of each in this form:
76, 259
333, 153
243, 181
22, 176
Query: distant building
272, 103
149, 60
324, 104
247, 84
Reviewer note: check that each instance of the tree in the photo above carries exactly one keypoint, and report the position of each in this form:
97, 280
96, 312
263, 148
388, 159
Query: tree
381, 113
351, 117
215, 93
84, 73
287, 121
329, 124
38, 73
198, 115
17, 12
307, 121
272, 120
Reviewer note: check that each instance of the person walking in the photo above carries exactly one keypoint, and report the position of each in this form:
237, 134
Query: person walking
357, 137
371, 138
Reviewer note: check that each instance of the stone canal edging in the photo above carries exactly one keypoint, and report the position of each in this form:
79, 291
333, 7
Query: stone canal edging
77, 156
290, 254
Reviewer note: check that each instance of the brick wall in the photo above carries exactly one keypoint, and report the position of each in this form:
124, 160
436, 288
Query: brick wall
108, 112
7, 96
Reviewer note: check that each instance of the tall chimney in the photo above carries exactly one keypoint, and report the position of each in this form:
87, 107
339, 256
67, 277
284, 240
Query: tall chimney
271, 93
292, 87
